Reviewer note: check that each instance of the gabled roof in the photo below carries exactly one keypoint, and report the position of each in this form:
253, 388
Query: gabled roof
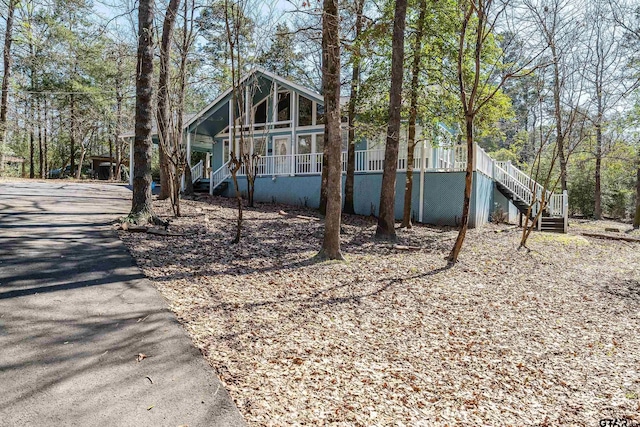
271, 76
222, 99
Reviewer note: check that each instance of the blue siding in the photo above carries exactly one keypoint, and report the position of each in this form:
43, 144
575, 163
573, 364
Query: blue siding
443, 195
290, 190
507, 205
481, 200
216, 157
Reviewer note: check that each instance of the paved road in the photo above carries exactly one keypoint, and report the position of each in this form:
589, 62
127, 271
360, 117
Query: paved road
75, 312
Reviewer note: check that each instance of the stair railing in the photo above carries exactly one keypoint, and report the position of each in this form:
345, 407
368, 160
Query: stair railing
218, 177
515, 185
196, 171
506, 172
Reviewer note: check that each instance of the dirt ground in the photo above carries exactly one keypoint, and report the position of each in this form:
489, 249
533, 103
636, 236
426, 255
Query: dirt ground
545, 336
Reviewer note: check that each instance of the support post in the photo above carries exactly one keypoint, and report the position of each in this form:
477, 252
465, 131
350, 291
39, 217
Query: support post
188, 149
475, 156
423, 166
131, 165
247, 106
565, 210
292, 116
274, 107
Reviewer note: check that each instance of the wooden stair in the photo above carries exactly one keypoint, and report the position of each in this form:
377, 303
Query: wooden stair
520, 204
548, 223
201, 186
220, 188
552, 224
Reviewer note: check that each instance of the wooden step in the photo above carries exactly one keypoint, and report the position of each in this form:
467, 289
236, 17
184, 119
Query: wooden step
554, 219
220, 188
552, 225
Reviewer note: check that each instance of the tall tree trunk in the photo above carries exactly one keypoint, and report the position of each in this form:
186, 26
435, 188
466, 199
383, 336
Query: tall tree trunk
636, 218
413, 116
331, 84
597, 212
142, 209
468, 99
6, 57
324, 176
46, 138
468, 183
386, 220
72, 133
558, 116
83, 151
163, 114
187, 41
32, 173
351, 114
40, 146
119, 141
110, 158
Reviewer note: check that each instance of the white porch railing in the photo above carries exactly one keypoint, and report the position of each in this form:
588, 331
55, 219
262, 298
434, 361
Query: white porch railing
273, 165
483, 162
307, 164
436, 159
558, 204
196, 171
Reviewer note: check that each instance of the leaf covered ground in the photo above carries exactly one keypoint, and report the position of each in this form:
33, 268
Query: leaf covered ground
549, 336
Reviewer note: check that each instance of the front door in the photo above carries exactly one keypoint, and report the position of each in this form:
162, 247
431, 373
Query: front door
282, 163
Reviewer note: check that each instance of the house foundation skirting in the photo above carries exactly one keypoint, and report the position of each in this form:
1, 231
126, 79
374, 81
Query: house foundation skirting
442, 198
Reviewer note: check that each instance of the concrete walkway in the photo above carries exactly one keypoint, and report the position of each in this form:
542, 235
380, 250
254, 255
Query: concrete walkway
75, 312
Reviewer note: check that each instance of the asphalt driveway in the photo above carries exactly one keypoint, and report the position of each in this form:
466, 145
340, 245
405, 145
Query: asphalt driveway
75, 313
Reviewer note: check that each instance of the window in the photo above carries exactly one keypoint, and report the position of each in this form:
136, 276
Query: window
319, 114
281, 146
304, 144
284, 106
304, 163
260, 113
344, 134
305, 111
319, 142
225, 150
260, 147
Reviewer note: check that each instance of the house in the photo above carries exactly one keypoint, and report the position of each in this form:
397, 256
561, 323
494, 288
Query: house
281, 124
101, 163
15, 161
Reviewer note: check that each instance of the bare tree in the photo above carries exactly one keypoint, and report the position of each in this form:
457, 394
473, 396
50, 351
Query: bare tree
85, 143
480, 77
559, 26
234, 22
386, 219
413, 113
540, 193
607, 78
356, 60
636, 217
162, 115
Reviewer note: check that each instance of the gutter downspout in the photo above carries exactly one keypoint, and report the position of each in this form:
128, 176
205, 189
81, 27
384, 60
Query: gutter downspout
423, 166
